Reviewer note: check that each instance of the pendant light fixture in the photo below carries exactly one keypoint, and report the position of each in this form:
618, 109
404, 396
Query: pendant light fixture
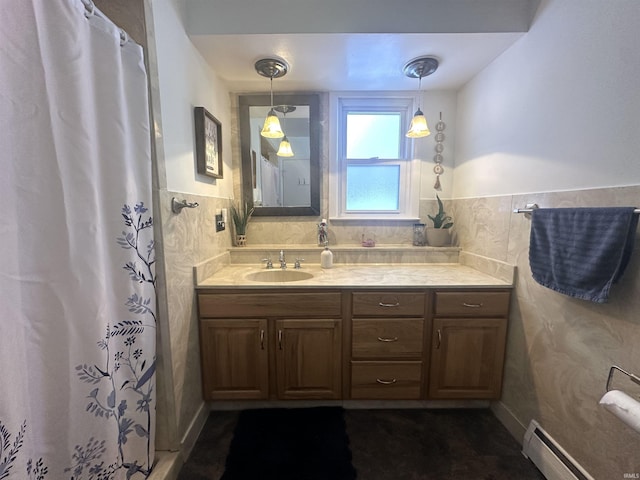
285, 147
271, 68
418, 68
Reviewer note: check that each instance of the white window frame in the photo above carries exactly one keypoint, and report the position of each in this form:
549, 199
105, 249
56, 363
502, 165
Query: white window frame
409, 195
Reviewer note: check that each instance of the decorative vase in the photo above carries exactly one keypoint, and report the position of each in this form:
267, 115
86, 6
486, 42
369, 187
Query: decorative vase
438, 237
241, 240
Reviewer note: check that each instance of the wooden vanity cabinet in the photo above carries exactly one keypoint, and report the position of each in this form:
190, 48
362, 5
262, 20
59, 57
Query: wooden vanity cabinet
468, 344
309, 358
260, 345
387, 340
234, 357
331, 344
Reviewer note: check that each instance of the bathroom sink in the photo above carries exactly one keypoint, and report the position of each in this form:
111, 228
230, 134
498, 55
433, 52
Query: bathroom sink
278, 276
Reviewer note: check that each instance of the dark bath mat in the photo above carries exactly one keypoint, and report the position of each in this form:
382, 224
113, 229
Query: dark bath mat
290, 444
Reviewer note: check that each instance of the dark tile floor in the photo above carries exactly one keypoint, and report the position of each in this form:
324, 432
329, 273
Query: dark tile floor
411, 444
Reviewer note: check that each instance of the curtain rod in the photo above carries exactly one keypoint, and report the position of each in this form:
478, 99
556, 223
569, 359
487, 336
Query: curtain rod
91, 9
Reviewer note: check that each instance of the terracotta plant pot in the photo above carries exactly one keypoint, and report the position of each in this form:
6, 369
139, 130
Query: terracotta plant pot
438, 237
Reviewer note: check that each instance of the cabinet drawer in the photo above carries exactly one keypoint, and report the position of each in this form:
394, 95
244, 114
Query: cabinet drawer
387, 337
386, 380
472, 304
225, 305
388, 304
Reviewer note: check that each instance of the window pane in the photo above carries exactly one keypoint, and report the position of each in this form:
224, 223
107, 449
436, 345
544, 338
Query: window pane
373, 187
373, 135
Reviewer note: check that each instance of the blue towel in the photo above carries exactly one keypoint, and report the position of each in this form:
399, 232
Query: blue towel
581, 252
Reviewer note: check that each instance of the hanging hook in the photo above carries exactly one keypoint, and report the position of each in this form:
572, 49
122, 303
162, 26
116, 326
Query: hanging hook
177, 206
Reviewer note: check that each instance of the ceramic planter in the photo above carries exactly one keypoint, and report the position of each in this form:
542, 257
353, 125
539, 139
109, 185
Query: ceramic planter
438, 237
241, 240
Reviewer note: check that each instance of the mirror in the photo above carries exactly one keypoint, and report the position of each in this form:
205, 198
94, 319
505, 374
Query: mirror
277, 185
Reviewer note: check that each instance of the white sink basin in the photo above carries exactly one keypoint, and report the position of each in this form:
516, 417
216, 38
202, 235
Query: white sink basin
278, 276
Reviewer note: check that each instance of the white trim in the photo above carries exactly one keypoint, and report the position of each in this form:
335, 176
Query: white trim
410, 171
167, 466
508, 420
193, 431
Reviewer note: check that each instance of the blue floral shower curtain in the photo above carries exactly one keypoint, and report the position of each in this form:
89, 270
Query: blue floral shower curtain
77, 262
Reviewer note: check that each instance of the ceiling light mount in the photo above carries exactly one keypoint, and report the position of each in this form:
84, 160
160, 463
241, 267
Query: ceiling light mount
421, 67
418, 68
271, 67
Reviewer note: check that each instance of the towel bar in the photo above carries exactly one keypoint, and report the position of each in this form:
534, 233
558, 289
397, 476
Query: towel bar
632, 377
177, 205
532, 208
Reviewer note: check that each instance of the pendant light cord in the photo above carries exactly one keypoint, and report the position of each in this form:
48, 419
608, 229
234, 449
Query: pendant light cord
271, 88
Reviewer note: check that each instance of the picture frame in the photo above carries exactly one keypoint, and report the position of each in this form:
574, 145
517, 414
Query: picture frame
208, 132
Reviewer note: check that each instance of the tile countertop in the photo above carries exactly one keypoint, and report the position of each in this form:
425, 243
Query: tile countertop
440, 275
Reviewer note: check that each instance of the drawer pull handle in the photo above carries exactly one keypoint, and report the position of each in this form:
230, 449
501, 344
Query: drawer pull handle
387, 305
386, 382
471, 305
280, 339
261, 339
439, 339
381, 339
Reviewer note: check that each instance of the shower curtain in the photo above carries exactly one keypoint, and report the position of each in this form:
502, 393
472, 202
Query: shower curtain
77, 282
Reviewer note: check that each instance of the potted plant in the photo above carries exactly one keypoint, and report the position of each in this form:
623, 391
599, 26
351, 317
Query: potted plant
438, 235
240, 217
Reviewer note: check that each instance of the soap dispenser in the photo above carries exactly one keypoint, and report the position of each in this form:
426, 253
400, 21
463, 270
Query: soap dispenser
326, 257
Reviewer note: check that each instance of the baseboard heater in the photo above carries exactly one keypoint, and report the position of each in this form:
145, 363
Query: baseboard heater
549, 457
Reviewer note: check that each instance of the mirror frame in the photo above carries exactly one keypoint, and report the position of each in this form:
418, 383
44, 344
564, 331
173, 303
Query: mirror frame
313, 102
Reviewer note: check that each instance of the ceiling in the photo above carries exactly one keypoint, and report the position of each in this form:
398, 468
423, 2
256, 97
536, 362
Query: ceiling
359, 46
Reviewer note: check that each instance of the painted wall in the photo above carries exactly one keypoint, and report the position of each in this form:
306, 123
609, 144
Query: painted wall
559, 109
186, 81
558, 113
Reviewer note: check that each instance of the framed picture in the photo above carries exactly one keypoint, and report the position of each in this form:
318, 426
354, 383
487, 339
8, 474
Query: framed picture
208, 143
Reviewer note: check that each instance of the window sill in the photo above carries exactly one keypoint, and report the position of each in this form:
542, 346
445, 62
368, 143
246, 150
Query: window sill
374, 218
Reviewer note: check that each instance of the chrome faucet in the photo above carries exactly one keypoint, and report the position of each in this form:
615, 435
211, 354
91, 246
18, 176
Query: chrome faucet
283, 262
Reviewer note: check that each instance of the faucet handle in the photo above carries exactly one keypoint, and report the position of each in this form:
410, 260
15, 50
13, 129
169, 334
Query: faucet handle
268, 261
297, 264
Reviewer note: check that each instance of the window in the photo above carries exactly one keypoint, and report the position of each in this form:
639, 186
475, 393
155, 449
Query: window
373, 173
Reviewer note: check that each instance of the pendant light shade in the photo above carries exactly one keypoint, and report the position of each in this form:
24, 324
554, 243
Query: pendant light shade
271, 68
285, 148
271, 128
418, 127
418, 68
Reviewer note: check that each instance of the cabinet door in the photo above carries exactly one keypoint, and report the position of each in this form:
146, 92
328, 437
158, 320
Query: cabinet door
235, 362
467, 358
309, 358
